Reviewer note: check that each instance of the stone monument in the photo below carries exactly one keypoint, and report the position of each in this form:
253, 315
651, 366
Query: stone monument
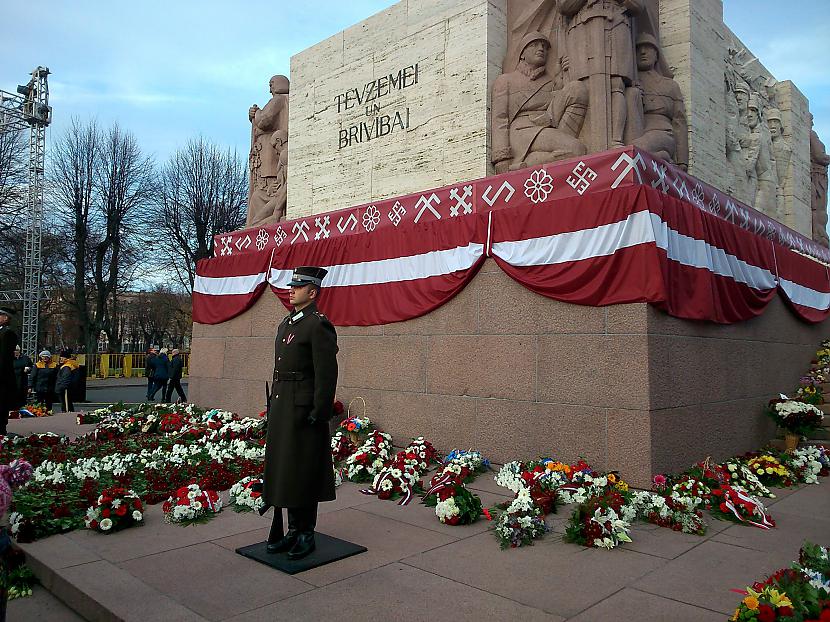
818, 176
268, 160
536, 118
660, 117
431, 93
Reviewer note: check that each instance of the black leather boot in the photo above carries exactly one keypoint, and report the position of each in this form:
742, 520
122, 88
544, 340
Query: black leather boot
285, 543
303, 546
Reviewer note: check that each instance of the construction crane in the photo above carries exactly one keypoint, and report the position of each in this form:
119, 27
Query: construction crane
29, 109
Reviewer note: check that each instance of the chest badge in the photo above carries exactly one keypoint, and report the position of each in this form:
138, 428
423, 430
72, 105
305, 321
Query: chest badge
289, 339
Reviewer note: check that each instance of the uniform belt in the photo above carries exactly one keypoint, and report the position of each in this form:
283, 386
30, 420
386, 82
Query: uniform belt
280, 376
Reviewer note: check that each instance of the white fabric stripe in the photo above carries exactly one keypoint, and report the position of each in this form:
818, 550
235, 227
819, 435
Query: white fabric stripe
805, 296
690, 251
432, 263
638, 228
227, 285
577, 245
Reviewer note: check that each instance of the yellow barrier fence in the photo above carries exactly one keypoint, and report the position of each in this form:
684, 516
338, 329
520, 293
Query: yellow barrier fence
125, 365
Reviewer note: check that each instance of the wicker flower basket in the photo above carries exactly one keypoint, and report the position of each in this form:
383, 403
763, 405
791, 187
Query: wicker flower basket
354, 436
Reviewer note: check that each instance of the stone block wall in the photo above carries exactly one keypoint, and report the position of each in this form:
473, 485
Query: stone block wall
516, 375
445, 114
696, 42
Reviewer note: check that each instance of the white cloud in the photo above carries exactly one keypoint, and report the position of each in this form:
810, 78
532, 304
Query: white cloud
78, 94
801, 58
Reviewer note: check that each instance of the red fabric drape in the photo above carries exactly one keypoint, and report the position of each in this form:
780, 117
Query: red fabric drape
392, 275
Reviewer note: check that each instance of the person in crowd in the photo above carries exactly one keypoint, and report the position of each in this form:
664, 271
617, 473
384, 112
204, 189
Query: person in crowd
161, 374
67, 380
12, 476
44, 375
8, 384
176, 366
149, 368
298, 467
22, 367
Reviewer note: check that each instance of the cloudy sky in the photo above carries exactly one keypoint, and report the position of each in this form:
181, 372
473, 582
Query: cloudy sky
171, 70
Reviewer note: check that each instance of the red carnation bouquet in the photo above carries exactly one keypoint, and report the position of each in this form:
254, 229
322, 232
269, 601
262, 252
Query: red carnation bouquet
191, 505
116, 508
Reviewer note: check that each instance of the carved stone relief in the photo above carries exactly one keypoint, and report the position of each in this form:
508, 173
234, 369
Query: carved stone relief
268, 160
574, 82
819, 161
758, 151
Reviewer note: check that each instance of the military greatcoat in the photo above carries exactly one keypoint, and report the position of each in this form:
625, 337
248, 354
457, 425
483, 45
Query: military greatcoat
298, 465
8, 383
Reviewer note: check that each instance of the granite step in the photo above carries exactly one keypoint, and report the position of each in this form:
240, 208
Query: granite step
97, 589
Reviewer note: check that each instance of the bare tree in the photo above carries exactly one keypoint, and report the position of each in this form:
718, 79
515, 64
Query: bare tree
159, 316
72, 191
125, 184
100, 181
13, 194
13, 177
203, 192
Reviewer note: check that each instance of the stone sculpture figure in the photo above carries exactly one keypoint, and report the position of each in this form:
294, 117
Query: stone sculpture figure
533, 121
599, 43
759, 165
267, 191
664, 129
782, 152
818, 178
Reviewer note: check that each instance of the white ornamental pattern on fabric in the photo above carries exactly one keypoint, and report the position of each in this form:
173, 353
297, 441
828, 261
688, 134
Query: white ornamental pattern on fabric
661, 177
322, 225
371, 218
538, 186
397, 212
491, 200
698, 195
425, 203
581, 177
279, 236
634, 164
226, 246
300, 229
262, 238
346, 223
243, 243
461, 202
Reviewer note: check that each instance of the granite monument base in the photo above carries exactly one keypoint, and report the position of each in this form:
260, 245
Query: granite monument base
328, 550
515, 375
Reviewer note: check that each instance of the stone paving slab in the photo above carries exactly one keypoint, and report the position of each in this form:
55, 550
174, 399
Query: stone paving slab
102, 591
704, 575
551, 575
416, 513
416, 568
193, 576
810, 501
397, 592
790, 533
387, 541
631, 604
43, 606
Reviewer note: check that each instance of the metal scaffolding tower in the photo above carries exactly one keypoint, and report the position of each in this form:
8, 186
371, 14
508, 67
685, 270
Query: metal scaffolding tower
29, 109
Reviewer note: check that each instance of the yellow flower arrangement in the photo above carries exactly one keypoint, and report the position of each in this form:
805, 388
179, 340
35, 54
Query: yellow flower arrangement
751, 602
552, 465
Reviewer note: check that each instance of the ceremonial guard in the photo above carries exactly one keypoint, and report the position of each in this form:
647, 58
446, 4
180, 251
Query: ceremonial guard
8, 383
298, 466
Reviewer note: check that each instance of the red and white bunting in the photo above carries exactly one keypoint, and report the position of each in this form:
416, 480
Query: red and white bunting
225, 287
614, 228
